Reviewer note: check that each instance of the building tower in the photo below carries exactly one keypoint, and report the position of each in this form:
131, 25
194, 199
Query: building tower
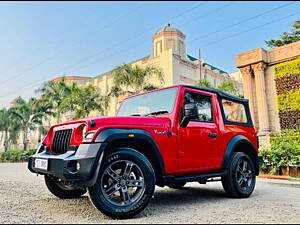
166, 38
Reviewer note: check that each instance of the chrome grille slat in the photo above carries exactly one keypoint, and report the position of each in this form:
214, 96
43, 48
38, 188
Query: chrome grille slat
61, 141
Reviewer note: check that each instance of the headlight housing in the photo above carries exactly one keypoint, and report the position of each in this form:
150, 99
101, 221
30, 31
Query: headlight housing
84, 130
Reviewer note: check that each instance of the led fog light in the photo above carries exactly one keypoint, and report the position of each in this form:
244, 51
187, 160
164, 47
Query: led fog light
78, 166
73, 166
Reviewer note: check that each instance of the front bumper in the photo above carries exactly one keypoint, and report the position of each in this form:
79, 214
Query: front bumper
89, 157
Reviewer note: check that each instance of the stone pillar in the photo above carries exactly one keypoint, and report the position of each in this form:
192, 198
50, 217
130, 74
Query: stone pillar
248, 89
262, 106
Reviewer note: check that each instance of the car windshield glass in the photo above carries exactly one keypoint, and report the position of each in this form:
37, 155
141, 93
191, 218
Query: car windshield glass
153, 103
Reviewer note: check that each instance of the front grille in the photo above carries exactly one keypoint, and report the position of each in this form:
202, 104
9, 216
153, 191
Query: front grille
61, 141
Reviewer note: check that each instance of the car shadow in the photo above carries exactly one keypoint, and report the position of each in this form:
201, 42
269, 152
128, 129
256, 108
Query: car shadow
165, 201
176, 199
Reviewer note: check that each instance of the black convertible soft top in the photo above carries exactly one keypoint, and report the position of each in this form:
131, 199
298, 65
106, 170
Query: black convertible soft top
219, 93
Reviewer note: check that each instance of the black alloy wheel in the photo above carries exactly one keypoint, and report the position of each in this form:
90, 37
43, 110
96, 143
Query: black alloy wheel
241, 178
125, 184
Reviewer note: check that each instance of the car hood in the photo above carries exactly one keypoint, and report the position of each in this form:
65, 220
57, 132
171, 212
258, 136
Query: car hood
134, 121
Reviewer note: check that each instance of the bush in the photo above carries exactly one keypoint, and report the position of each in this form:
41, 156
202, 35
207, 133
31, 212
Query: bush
16, 155
284, 151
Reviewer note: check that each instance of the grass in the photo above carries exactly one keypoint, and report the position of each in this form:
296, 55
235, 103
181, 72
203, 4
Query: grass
294, 179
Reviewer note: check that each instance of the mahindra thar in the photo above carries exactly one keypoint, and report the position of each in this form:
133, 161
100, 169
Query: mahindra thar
165, 137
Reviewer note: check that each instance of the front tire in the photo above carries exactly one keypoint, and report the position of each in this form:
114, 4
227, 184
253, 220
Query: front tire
125, 184
240, 180
61, 190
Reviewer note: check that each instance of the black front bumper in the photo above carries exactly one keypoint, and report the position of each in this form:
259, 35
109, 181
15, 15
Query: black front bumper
89, 157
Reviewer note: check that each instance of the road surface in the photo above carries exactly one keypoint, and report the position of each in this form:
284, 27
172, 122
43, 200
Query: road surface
25, 199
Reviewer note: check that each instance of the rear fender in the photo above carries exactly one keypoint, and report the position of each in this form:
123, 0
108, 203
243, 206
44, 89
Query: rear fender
234, 146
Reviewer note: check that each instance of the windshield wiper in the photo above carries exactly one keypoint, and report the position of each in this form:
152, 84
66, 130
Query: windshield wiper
157, 113
135, 115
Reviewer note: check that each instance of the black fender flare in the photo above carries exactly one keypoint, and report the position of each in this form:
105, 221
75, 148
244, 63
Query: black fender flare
113, 134
231, 148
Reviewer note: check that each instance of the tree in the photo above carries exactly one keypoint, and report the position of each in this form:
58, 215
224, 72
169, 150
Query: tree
84, 100
287, 37
204, 83
43, 106
28, 117
134, 78
229, 87
4, 127
55, 93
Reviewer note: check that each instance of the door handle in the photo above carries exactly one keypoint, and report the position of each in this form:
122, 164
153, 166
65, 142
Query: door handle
212, 135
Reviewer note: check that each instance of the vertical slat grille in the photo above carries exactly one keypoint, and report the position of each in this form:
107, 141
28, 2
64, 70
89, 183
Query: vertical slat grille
61, 141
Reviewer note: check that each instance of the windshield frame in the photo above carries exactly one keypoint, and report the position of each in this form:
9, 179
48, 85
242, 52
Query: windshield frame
148, 92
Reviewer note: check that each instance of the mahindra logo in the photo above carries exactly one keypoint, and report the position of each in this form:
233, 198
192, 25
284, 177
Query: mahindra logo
159, 132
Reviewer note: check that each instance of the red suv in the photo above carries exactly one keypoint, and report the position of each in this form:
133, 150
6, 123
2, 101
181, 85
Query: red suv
164, 137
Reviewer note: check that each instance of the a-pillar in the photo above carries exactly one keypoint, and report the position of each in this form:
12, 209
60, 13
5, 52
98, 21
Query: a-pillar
262, 105
248, 89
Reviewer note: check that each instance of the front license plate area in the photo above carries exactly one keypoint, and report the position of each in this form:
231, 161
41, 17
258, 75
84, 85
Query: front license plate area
41, 164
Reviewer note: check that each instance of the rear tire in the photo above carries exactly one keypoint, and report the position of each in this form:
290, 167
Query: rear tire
177, 185
60, 190
240, 180
125, 184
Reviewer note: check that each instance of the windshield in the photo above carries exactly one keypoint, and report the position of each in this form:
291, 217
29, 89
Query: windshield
153, 103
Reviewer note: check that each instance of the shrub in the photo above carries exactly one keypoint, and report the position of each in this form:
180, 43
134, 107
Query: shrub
16, 155
284, 151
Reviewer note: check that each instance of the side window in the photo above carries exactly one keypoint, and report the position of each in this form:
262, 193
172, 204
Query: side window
234, 111
204, 106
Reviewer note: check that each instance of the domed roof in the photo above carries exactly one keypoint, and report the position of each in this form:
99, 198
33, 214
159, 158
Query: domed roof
168, 27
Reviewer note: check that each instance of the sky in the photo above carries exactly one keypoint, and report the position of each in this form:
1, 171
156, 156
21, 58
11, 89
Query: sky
42, 40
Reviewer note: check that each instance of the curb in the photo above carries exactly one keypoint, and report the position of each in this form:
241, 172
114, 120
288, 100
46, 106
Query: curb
277, 177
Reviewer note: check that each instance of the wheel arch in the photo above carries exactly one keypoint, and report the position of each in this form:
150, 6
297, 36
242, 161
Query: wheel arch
137, 139
240, 143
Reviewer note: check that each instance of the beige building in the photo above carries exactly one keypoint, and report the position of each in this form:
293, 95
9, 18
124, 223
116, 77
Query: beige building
79, 80
271, 83
169, 53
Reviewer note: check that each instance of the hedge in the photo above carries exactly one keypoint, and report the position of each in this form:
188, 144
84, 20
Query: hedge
287, 68
287, 80
289, 83
290, 120
16, 155
289, 101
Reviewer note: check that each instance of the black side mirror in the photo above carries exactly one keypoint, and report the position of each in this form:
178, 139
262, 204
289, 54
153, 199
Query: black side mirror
189, 112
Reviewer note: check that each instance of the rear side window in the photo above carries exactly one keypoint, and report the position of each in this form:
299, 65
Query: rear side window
234, 111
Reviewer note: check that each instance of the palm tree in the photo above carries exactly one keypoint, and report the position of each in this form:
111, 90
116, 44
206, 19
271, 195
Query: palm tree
4, 127
55, 93
28, 117
204, 83
134, 78
83, 100
229, 87
43, 106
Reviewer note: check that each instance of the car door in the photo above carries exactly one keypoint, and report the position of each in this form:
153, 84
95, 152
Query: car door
197, 143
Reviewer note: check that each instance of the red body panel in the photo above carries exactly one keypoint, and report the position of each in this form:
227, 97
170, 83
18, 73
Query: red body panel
188, 150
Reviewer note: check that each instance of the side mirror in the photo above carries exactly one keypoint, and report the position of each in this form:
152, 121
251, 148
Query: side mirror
189, 112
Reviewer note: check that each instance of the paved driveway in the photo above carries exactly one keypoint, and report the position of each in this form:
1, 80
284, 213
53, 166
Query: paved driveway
25, 199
